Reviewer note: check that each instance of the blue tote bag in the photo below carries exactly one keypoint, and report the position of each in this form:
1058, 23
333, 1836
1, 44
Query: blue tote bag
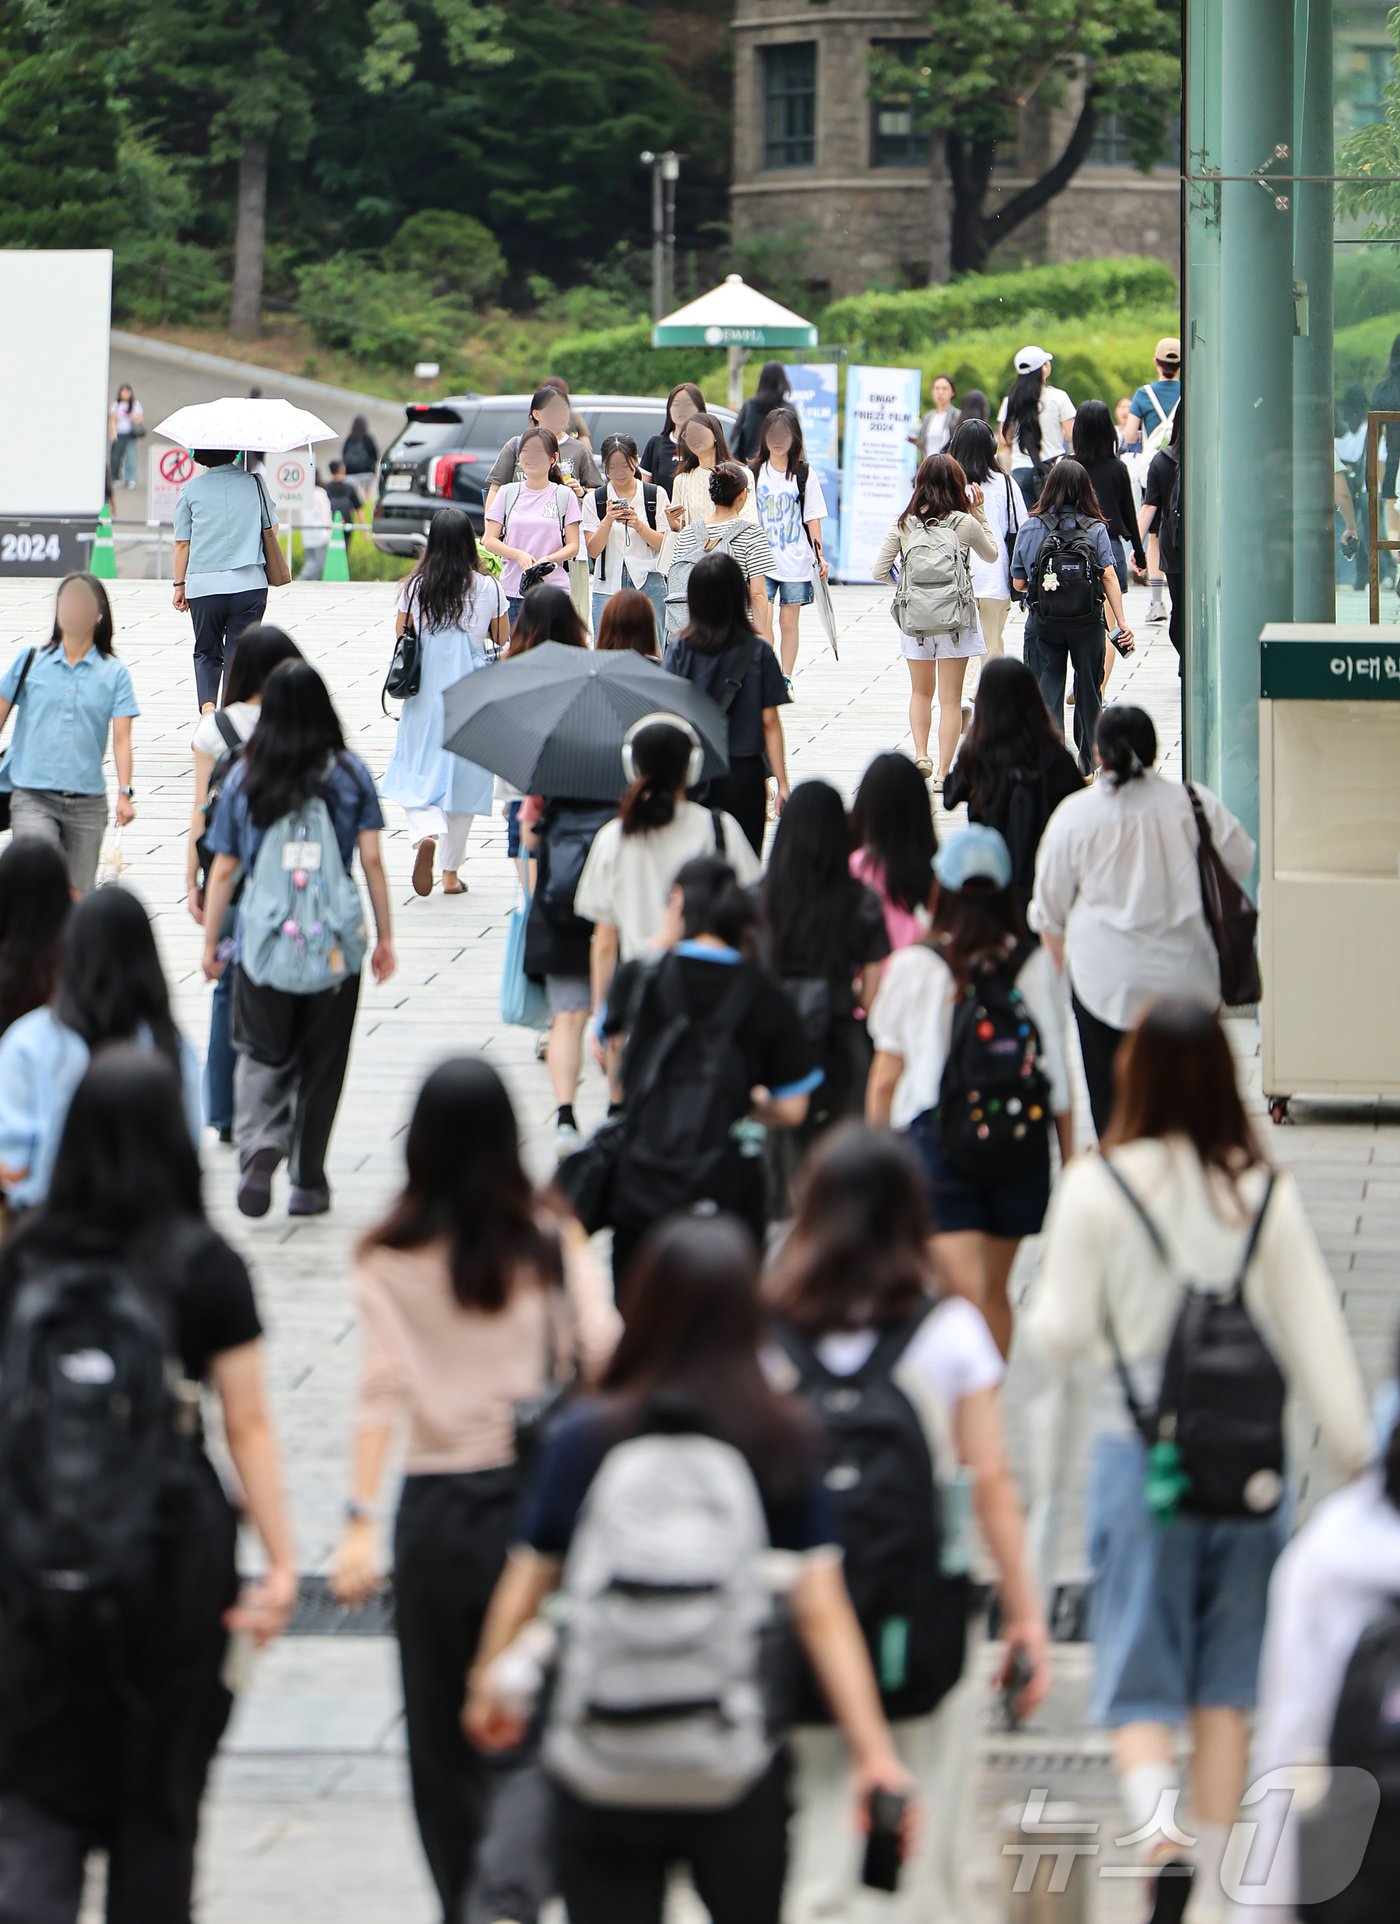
523, 1002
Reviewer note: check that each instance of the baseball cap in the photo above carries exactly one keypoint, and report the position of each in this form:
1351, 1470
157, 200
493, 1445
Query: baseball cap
1031, 359
974, 854
1168, 350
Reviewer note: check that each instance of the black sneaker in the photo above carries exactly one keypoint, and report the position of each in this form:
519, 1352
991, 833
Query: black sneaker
255, 1182
1172, 1892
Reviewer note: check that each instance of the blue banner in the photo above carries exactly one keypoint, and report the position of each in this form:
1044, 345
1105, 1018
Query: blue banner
813, 390
877, 473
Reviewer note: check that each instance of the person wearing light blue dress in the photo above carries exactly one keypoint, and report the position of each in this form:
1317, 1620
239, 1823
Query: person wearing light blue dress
459, 614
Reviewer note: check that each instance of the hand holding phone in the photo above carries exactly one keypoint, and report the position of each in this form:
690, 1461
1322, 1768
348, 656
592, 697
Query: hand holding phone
1122, 639
884, 1844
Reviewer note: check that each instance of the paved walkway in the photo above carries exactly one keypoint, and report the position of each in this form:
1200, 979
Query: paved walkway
309, 1815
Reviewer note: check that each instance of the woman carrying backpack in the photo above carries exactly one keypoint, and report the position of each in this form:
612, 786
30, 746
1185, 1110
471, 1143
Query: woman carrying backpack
974, 448
718, 651
106, 1740
624, 527
111, 988
1181, 1200
467, 1290
893, 844
857, 1312
926, 554
217, 745
541, 516
296, 784
1118, 893
791, 509
728, 530
1064, 565
552, 410
1095, 444
971, 1062
687, 1459
458, 612
1013, 769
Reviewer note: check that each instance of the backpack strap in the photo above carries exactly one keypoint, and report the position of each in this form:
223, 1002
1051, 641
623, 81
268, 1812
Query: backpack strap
230, 735
649, 503
562, 498
600, 508
1252, 1243
889, 1346
742, 658
717, 824
1143, 1422
511, 491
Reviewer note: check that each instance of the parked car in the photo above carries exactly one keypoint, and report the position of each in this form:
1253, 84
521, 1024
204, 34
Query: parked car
446, 448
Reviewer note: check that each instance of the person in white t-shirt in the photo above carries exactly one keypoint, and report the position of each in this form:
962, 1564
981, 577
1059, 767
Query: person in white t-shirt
854, 1274
791, 509
974, 448
625, 886
625, 537
1035, 420
316, 535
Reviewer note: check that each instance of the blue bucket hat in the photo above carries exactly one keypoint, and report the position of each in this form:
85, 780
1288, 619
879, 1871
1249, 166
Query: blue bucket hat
974, 854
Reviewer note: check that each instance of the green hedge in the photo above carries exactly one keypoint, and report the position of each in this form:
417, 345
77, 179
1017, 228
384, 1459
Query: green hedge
622, 360
1099, 361
1362, 352
1032, 301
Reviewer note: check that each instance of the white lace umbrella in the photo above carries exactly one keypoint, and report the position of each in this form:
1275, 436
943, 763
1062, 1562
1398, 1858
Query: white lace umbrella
240, 422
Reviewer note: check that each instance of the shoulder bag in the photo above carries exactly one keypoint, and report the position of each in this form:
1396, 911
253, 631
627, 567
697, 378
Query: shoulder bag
6, 785
279, 569
405, 676
1231, 917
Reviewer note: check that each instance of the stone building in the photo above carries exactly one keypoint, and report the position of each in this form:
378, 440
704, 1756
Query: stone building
817, 158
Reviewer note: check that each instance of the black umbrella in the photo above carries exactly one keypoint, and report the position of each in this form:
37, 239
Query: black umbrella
552, 722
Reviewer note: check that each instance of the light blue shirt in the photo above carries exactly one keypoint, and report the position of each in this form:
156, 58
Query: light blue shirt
42, 1061
222, 512
63, 717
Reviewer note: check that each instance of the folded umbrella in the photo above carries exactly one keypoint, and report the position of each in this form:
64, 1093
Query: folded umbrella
826, 611
239, 421
552, 722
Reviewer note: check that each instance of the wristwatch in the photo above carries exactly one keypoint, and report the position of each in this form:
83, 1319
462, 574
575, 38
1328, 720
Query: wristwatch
130, 793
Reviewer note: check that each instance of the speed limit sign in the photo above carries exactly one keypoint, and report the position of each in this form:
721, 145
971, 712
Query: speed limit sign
168, 473
291, 480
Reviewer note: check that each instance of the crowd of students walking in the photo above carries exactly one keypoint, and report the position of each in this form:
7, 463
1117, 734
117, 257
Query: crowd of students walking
682, 1558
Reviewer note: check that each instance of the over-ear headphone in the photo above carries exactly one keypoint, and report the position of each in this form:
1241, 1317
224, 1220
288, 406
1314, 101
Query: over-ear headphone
695, 767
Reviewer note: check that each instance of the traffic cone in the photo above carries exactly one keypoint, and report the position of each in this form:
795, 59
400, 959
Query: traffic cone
104, 553
337, 566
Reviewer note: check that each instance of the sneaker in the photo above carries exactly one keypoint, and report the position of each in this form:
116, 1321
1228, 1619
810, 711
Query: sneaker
1160, 613
308, 1202
255, 1182
566, 1140
1172, 1891
225, 1133
542, 1045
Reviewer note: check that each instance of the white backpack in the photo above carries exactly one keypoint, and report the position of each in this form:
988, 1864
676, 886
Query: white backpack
933, 594
661, 1701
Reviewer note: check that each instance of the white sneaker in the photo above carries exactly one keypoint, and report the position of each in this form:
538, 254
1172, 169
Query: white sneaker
566, 1140
1162, 613
542, 1045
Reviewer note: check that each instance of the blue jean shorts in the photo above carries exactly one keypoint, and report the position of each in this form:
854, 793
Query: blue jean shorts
1177, 1611
1007, 1209
792, 594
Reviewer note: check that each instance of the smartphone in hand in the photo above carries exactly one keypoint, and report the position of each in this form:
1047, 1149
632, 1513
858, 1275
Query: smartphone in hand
1124, 648
884, 1846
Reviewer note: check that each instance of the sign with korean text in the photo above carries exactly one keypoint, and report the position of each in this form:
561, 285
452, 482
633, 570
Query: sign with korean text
291, 481
812, 389
166, 473
1328, 669
877, 471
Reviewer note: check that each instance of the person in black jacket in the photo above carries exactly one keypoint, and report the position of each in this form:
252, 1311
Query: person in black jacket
1095, 439
1013, 770
771, 393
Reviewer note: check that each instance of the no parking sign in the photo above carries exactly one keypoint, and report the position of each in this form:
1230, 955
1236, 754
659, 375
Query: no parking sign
167, 474
291, 481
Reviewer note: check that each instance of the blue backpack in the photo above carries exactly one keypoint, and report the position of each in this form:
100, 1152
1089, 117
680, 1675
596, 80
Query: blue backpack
303, 921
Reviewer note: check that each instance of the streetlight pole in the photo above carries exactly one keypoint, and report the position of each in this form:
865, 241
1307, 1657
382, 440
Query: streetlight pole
665, 172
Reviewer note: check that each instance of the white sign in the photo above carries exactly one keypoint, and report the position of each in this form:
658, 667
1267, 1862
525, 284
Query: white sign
290, 480
55, 327
167, 471
877, 474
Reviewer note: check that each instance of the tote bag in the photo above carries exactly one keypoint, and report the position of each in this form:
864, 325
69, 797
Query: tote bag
523, 1003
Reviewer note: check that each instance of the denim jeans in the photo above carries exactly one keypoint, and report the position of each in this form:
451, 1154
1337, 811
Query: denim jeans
218, 1064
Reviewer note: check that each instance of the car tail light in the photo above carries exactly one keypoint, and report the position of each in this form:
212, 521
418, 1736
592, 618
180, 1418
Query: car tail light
443, 470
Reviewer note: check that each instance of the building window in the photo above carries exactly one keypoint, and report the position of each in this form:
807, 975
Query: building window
1370, 76
790, 105
1111, 147
895, 140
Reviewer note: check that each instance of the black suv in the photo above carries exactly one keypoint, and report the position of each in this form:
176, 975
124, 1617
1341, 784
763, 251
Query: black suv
447, 448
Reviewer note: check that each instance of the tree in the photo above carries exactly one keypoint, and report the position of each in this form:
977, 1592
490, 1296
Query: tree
982, 67
1374, 151
58, 144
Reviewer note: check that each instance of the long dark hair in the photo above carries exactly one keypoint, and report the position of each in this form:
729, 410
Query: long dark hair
1175, 1076
112, 985
105, 631
547, 441
682, 387
467, 1186
807, 890
629, 621
255, 654
796, 455
297, 736
1068, 490
1127, 743
447, 572
689, 1352
685, 460
773, 386
1012, 729
717, 603
892, 821
713, 903
1023, 414
661, 757
940, 489
857, 1257
34, 907
545, 614
1095, 434
971, 922
974, 448
974, 406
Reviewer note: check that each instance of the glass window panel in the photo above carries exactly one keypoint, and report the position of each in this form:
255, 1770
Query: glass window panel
790, 105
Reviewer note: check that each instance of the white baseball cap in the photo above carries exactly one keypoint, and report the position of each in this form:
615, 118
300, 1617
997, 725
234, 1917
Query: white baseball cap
1031, 359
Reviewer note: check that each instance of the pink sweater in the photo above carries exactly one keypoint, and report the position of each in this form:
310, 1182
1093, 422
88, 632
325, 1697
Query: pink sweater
453, 1376
902, 926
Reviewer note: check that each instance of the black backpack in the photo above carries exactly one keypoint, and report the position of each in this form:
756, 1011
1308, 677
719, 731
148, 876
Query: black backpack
880, 1473
1365, 1740
994, 1099
686, 1084
99, 1448
1065, 585
218, 776
600, 503
1221, 1404
567, 832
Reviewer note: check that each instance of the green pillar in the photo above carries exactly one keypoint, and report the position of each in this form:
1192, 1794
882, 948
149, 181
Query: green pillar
1314, 553
1254, 506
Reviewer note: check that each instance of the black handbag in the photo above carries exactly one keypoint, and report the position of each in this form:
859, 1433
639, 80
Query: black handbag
5, 793
1231, 917
405, 676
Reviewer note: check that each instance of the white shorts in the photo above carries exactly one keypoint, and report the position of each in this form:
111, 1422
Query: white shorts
960, 647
